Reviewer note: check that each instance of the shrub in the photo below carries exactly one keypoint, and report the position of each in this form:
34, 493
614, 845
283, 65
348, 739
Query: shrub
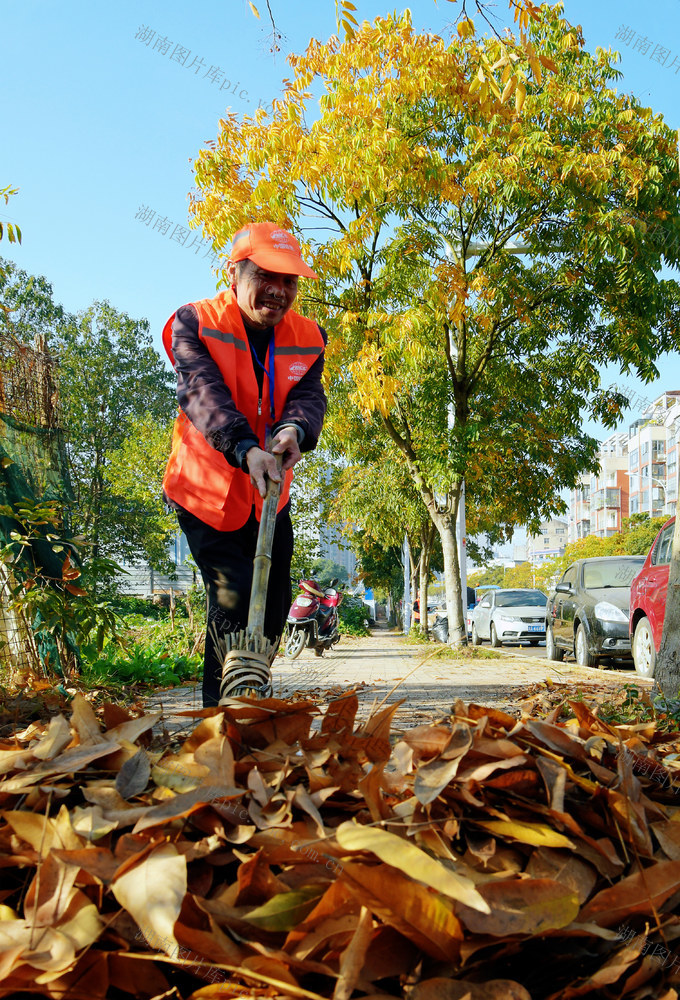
353, 615
152, 650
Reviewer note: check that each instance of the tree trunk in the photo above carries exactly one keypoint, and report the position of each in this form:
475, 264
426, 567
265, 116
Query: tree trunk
445, 523
446, 526
667, 673
426, 541
415, 572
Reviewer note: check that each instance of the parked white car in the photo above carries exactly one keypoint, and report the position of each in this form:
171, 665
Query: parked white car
516, 615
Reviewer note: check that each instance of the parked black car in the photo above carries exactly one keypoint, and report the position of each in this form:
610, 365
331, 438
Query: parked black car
588, 611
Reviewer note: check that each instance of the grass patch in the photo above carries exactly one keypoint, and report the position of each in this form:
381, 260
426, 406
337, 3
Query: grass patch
416, 637
634, 706
465, 653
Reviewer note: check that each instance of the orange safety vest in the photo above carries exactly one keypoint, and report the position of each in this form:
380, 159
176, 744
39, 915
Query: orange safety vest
198, 477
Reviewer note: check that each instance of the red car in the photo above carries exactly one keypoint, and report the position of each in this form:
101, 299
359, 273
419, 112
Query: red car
648, 601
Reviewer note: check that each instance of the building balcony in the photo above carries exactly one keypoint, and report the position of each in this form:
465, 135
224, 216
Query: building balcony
605, 498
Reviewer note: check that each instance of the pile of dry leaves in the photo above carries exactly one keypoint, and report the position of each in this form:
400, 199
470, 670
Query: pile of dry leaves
279, 852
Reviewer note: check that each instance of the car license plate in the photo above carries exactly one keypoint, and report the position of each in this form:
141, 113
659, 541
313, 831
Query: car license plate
537, 628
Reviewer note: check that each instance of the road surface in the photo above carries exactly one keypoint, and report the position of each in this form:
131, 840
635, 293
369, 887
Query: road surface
384, 666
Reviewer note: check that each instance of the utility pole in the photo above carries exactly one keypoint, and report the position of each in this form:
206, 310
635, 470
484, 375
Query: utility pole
406, 560
462, 549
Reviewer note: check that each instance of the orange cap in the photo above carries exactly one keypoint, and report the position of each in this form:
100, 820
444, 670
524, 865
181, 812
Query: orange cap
271, 248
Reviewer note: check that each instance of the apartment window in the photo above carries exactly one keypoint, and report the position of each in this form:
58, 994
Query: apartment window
633, 460
559, 531
659, 447
633, 506
644, 449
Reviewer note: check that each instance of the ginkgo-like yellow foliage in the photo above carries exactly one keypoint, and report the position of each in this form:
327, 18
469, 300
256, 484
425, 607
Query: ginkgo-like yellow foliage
347, 22
488, 218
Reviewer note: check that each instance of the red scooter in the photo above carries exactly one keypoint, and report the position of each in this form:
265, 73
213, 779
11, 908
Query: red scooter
312, 620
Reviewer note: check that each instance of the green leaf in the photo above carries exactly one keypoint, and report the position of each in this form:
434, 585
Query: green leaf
286, 910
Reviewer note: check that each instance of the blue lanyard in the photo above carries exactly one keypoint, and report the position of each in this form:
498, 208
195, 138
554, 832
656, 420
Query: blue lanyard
268, 372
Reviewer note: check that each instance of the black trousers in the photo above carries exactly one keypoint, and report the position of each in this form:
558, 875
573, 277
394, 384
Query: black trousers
225, 559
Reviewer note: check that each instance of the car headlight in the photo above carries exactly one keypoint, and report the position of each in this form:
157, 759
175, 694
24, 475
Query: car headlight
505, 620
607, 612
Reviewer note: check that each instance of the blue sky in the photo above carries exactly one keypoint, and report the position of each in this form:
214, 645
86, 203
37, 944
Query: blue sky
98, 124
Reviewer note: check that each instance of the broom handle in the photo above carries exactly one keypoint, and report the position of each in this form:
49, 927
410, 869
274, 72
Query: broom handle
263, 556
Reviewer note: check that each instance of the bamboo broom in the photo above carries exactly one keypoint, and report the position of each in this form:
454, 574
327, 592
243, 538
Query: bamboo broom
248, 653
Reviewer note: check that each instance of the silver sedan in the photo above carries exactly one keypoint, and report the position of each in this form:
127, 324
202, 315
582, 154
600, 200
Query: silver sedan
516, 615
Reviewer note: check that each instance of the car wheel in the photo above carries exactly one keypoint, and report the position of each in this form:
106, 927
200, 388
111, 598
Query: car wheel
552, 651
584, 657
644, 653
495, 641
476, 641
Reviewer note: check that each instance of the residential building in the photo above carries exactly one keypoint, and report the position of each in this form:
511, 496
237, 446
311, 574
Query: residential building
548, 543
653, 457
579, 510
600, 502
140, 580
519, 554
609, 489
332, 546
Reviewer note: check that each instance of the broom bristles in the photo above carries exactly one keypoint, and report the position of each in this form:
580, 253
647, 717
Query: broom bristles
245, 665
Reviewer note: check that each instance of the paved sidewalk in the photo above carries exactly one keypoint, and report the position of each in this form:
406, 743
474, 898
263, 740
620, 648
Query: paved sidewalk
384, 665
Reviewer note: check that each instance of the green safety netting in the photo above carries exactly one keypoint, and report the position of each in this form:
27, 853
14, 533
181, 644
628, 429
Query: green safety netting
33, 468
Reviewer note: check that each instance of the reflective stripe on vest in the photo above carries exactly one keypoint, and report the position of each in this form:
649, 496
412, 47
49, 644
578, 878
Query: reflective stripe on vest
198, 477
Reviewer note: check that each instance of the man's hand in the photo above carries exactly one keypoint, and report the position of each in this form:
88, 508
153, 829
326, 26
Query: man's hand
262, 465
286, 443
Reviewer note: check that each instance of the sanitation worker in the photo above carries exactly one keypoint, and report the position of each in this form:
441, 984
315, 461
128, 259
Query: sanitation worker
248, 374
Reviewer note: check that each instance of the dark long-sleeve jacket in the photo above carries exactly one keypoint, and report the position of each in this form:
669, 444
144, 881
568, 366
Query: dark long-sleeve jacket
206, 400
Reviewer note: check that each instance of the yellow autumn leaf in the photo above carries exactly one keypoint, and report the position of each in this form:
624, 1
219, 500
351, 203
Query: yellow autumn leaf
254, 10
152, 893
535, 69
520, 94
538, 834
405, 856
509, 87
